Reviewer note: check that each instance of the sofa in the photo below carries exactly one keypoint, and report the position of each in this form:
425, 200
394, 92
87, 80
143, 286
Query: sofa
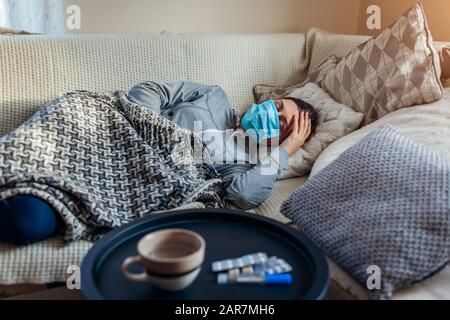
35, 68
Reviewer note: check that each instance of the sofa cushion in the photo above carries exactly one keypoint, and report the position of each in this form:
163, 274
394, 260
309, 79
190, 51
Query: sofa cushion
395, 69
382, 203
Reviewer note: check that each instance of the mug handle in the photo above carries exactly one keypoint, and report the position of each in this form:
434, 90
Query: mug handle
140, 277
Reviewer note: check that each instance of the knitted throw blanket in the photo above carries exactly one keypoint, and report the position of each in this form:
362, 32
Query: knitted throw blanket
102, 161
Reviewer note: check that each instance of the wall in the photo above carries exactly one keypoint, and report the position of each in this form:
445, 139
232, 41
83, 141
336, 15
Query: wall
437, 11
246, 16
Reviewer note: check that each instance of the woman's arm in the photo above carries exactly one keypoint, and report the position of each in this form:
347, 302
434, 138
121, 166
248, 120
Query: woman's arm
249, 188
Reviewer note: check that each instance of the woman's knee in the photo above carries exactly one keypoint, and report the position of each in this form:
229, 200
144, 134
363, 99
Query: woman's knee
26, 219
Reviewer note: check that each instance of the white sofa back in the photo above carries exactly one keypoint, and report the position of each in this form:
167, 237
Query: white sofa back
34, 69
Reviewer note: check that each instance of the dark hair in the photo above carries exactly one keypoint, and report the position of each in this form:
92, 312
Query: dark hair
306, 107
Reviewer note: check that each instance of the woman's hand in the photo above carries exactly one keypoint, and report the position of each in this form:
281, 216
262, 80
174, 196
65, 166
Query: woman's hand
300, 133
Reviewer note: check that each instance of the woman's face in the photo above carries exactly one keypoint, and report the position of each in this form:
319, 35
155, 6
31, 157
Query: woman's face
287, 110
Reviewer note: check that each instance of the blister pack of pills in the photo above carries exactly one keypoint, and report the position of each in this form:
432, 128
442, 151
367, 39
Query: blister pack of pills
245, 261
273, 265
252, 264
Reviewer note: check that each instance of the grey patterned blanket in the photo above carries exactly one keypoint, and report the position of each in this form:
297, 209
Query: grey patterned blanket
102, 161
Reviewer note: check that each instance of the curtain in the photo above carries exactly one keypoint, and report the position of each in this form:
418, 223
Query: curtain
36, 16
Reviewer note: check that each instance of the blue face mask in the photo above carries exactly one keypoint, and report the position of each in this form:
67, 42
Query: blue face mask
261, 121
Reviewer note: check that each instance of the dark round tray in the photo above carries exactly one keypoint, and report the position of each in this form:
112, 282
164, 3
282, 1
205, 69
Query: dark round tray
228, 234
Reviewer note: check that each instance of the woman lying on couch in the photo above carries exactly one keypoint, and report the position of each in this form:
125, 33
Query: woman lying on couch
26, 219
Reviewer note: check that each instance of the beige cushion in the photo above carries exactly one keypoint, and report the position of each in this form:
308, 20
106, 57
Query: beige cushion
43, 262
396, 69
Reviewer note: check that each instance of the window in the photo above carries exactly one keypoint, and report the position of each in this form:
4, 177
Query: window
36, 16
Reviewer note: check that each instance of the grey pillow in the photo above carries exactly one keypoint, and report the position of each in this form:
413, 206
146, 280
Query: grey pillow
385, 203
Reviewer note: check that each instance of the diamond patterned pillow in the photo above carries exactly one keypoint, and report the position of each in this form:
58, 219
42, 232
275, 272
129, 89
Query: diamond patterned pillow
397, 68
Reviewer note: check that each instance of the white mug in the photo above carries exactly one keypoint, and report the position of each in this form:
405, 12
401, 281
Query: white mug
172, 259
